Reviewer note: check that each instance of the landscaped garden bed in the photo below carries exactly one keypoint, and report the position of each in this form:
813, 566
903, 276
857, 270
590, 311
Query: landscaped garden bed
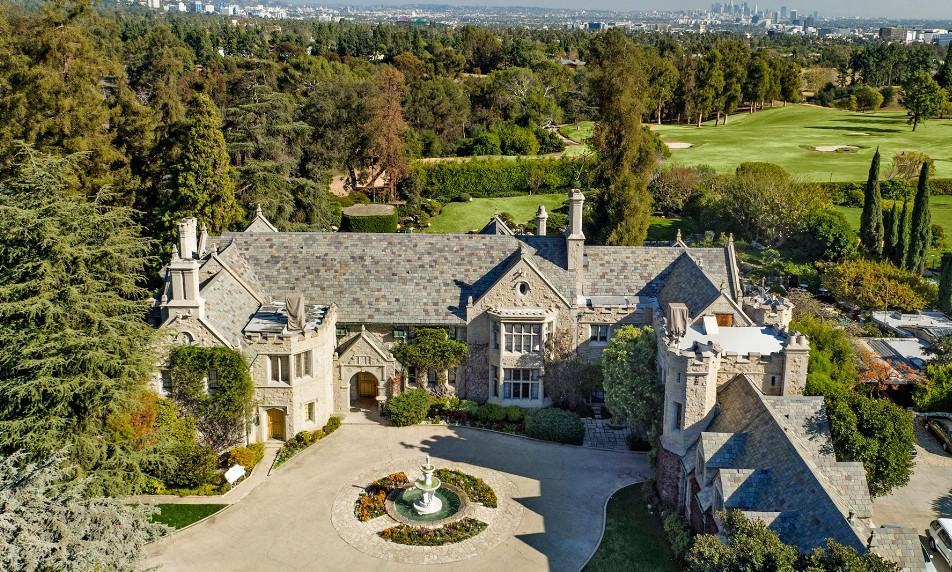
475, 488
305, 439
422, 536
372, 502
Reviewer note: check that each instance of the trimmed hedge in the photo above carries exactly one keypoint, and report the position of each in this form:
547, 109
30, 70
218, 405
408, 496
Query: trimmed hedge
494, 177
552, 424
369, 223
850, 193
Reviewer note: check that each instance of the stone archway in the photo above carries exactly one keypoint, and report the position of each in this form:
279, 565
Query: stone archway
364, 390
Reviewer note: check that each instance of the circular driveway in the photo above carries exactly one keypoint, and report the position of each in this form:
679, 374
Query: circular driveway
285, 523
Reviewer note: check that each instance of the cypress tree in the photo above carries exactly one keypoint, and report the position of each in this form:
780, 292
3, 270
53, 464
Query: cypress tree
920, 232
902, 241
945, 284
871, 221
891, 228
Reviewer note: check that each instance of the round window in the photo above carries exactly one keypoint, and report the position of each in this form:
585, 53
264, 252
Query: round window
522, 288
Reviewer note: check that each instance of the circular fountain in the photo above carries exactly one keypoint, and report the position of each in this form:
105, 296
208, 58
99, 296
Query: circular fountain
429, 501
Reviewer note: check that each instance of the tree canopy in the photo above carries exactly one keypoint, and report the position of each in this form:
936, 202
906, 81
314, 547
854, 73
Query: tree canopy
632, 390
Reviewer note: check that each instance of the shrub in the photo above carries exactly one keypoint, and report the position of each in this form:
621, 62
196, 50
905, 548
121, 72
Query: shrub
866, 283
244, 456
491, 413
516, 140
194, 465
889, 95
258, 449
370, 223
317, 435
476, 489
515, 414
422, 536
410, 407
492, 177
552, 424
468, 407
825, 236
679, 534
464, 198
302, 439
332, 425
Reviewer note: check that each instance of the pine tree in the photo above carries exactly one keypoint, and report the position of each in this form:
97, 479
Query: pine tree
902, 241
48, 526
944, 76
871, 221
891, 229
74, 347
945, 284
197, 178
920, 231
626, 152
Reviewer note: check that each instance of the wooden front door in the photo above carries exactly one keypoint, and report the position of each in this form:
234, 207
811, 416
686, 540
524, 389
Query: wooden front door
725, 320
366, 385
276, 424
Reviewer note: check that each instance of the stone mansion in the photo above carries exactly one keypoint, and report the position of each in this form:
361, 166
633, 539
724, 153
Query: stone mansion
356, 295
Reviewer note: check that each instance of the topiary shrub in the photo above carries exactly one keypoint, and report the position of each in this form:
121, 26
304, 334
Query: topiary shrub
515, 414
410, 407
369, 223
317, 435
551, 424
302, 439
333, 424
491, 413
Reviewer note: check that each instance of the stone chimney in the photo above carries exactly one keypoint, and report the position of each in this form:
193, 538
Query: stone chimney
796, 358
541, 218
184, 297
574, 237
188, 238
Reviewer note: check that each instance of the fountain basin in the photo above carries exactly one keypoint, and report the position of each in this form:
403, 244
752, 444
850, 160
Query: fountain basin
454, 505
423, 486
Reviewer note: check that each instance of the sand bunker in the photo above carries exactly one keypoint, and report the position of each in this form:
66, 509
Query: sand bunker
836, 148
856, 133
679, 145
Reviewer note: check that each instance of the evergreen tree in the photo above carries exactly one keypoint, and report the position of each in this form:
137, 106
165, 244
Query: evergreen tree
944, 76
626, 151
871, 221
901, 254
920, 231
74, 346
197, 178
945, 284
45, 525
891, 229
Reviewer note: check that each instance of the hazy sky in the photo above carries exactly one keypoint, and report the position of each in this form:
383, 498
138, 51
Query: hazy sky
912, 9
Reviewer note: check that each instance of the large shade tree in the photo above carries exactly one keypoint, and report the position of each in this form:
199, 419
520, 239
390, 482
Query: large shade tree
630, 378
75, 350
432, 348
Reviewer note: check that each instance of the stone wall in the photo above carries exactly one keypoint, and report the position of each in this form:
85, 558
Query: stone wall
668, 478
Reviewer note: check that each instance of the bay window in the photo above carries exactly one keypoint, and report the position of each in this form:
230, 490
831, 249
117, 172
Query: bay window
523, 338
520, 383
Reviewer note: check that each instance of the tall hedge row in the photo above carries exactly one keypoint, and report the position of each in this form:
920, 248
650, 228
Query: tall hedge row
850, 194
370, 223
495, 177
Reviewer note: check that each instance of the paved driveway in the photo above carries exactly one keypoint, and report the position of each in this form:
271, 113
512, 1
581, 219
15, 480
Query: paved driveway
285, 523
927, 496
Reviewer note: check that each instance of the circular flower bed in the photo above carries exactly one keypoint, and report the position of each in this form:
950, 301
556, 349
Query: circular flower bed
372, 502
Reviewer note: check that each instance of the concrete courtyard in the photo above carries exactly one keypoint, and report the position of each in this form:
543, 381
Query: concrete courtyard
285, 522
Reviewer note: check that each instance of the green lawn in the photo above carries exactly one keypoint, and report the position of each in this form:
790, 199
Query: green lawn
182, 515
939, 206
577, 133
787, 136
473, 215
634, 540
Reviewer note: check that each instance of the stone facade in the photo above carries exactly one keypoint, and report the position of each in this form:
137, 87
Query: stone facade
505, 295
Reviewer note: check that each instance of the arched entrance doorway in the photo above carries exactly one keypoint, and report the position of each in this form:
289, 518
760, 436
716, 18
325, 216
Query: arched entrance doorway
363, 390
276, 424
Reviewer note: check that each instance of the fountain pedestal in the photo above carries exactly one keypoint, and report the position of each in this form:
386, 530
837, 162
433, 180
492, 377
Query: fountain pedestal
428, 502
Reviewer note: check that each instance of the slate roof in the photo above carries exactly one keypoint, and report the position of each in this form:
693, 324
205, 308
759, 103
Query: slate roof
227, 305
272, 318
496, 226
785, 465
688, 284
643, 270
417, 279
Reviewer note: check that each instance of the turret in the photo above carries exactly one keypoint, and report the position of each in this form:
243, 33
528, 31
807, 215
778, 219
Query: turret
796, 358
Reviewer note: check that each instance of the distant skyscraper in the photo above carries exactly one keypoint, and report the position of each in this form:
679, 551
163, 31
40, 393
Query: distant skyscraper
783, 12
794, 14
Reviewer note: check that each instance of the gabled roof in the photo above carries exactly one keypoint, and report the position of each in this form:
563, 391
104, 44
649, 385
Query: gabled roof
496, 226
643, 270
788, 453
375, 343
688, 284
260, 223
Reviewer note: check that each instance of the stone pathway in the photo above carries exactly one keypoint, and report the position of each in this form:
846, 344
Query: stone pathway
599, 435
